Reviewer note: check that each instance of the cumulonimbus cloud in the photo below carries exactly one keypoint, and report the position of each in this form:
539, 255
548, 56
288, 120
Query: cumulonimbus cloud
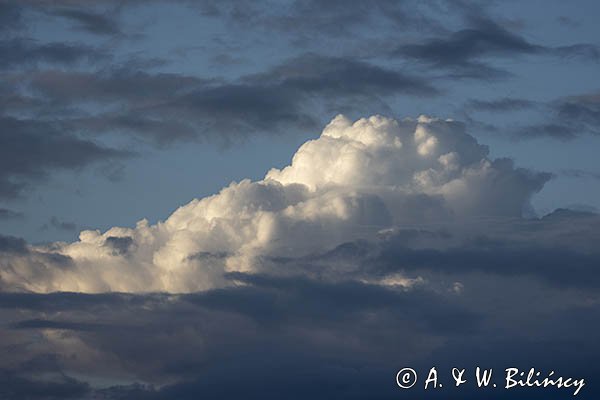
353, 182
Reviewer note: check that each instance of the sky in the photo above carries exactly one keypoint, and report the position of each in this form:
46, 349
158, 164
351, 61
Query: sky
296, 199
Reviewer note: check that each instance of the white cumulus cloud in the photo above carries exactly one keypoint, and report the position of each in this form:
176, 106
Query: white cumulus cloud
357, 179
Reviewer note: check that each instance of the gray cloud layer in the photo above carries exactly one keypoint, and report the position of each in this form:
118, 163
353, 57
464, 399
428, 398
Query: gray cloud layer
322, 326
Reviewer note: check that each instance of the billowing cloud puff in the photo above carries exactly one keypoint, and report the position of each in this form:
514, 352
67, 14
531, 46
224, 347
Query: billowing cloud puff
354, 181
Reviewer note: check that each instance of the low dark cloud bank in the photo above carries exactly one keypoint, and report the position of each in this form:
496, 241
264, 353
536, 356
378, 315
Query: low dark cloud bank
324, 326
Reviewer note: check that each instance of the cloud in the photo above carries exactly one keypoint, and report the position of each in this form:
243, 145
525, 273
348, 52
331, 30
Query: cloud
10, 244
91, 22
120, 245
130, 86
500, 105
165, 108
353, 181
551, 130
18, 52
582, 111
585, 51
339, 76
385, 243
10, 214
579, 173
311, 337
14, 386
202, 330
56, 223
568, 21
556, 250
306, 21
461, 53
572, 117
32, 140
462, 48
31, 148
486, 37
538, 261
78, 105
10, 16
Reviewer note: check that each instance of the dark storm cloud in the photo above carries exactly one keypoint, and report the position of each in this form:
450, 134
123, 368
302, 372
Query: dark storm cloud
29, 149
197, 336
66, 326
271, 299
461, 53
311, 338
67, 301
562, 267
